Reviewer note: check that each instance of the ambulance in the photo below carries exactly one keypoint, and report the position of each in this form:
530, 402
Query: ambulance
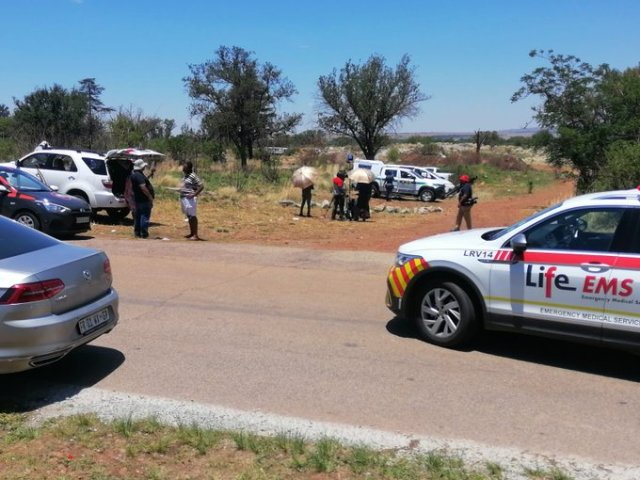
570, 271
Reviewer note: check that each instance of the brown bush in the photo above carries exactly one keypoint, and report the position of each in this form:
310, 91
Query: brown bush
316, 157
463, 158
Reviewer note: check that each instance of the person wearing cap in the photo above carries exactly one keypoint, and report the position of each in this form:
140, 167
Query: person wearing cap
465, 202
143, 195
190, 188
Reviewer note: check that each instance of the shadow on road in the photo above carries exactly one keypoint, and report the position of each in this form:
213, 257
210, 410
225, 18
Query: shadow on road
553, 353
80, 369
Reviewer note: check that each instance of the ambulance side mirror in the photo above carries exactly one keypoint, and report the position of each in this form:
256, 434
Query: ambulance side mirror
519, 243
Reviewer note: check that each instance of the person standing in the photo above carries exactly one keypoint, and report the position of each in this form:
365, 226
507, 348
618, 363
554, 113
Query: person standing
465, 202
388, 184
364, 195
338, 195
143, 196
306, 199
191, 187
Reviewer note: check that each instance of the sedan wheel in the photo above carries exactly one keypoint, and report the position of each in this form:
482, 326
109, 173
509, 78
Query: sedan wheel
445, 314
28, 219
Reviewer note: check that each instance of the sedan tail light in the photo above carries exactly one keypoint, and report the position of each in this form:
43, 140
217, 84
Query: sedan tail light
32, 292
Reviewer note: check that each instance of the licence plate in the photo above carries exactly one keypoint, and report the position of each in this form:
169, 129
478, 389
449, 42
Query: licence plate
82, 220
89, 323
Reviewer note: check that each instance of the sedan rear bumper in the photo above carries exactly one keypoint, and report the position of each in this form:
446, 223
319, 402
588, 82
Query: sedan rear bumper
40, 341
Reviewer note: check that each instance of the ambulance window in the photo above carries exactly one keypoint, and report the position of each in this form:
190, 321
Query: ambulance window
588, 229
625, 238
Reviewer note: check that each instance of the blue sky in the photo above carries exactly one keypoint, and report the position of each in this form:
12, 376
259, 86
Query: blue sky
469, 55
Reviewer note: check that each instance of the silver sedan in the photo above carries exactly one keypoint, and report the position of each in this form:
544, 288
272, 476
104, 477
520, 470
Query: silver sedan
54, 297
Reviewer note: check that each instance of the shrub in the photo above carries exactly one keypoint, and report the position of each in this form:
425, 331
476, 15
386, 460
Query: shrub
393, 155
622, 169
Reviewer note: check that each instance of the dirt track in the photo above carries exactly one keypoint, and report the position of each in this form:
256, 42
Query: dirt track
268, 223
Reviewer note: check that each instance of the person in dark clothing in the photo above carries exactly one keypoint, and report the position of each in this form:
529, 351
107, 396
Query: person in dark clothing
338, 195
465, 202
388, 184
143, 195
364, 195
306, 199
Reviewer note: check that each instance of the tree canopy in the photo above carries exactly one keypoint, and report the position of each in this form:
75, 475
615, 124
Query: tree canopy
53, 114
363, 101
95, 108
237, 99
589, 112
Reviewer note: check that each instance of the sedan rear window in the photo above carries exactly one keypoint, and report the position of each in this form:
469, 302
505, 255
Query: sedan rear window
16, 239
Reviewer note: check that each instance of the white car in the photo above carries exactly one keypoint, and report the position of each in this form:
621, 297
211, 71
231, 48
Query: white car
436, 179
570, 271
78, 173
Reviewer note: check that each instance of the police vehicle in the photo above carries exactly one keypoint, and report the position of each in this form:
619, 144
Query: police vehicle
408, 182
570, 271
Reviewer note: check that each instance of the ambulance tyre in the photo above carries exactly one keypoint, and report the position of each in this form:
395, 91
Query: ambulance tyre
444, 314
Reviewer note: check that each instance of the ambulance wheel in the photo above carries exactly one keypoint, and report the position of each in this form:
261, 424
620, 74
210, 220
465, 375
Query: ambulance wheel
445, 315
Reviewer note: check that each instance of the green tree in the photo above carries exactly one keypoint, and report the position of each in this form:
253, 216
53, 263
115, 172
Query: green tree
53, 114
237, 99
8, 147
481, 138
95, 108
623, 167
586, 108
364, 101
4, 111
313, 138
134, 129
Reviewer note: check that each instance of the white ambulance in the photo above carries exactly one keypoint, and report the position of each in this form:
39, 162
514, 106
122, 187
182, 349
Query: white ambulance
570, 271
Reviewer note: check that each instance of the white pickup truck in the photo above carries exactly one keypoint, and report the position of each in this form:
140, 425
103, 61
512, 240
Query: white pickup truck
408, 180
440, 173
409, 183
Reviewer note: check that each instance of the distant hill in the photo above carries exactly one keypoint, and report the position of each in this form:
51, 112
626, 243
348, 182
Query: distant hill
513, 132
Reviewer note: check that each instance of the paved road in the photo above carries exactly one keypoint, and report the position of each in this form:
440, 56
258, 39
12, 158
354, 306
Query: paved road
305, 333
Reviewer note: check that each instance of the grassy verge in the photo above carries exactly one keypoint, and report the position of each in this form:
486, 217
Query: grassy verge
83, 447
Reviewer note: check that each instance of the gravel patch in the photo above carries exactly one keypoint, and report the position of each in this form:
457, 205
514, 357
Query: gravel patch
111, 406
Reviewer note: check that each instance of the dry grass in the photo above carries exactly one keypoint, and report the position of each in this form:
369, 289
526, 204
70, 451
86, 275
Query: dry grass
82, 447
239, 208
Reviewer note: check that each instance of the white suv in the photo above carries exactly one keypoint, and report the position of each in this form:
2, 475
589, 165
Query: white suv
570, 271
76, 172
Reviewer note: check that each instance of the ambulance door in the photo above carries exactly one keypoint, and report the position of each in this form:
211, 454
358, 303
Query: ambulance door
547, 288
622, 312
